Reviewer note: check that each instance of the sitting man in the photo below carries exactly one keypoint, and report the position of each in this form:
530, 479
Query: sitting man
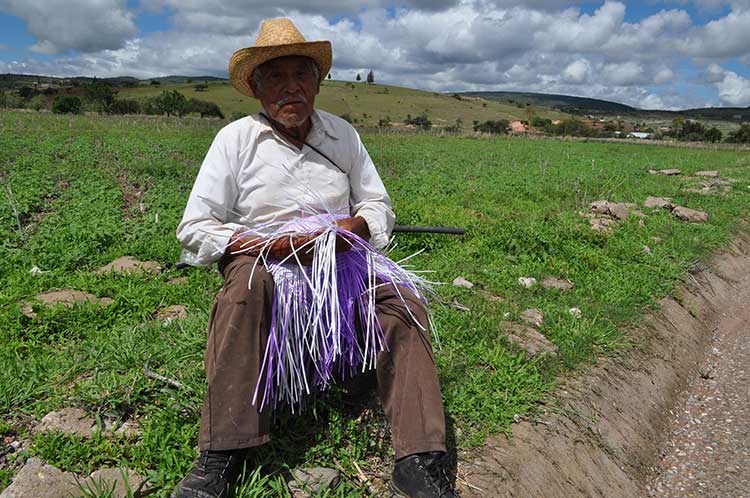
272, 166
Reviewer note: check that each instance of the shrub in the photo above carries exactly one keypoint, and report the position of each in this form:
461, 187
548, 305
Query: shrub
346, 117
538, 122
125, 106
205, 108
67, 104
26, 92
101, 94
237, 115
740, 136
38, 103
172, 103
384, 122
421, 121
3, 100
200, 87
498, 127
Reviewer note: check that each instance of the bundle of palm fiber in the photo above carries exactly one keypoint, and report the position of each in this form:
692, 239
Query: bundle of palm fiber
324, 327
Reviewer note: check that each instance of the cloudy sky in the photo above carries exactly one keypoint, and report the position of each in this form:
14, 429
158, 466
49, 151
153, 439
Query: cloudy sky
653, 54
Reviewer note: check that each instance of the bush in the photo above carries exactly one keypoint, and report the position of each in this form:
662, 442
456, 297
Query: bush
38, 103
421, 121
346, 117
3, 100
172, 103
125, 106
101, 94
538, 122
384, 122
237, 115
26, 92
498, 127
740, 136
204, 108
200, 87
67, 104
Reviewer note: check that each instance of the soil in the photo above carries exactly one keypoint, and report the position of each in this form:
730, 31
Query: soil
604, 433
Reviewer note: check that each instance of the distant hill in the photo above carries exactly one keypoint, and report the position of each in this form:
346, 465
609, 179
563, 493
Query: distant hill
11, 81
564, 103
583, 105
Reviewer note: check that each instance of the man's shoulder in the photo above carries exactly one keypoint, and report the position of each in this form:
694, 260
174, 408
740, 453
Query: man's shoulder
338, 125
243, 128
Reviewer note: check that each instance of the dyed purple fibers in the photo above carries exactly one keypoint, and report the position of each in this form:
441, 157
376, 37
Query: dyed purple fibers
323, 324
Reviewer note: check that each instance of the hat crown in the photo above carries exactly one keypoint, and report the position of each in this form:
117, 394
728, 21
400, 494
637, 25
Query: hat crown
278, 32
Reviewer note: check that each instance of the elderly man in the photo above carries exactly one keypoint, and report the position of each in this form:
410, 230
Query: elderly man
253, 174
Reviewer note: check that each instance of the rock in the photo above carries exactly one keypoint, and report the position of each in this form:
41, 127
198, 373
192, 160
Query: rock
619, 210
658, 202
68, 421
171, 313
36, 479
556, 283
65, 297
130, 429
575, 312
528, 339
36, 271
462, 282
690, 215
709, 174
127, 264
601, 207
603, 224
112, 479
646, 250
667, 172
177, 281
492, 297
313, 481
533, 317
656, 240
527, 282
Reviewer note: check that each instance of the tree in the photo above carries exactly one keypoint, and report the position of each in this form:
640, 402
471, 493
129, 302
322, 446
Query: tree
421, 121
125, 106
741, 135
67, 104
713, 135
26, 92
359, 78
101, 94
370, 77
498, 127
205, 108
200, 87
172, 103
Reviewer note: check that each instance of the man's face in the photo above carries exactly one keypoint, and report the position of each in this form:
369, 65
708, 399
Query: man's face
287, 89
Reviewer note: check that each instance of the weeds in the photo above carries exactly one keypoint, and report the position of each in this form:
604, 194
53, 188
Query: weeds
517, 200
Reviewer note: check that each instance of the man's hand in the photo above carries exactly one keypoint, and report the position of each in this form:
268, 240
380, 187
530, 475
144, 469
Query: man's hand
357, 225
279, 249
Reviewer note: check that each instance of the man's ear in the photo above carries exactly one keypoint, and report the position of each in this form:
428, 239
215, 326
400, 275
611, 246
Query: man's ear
253, 88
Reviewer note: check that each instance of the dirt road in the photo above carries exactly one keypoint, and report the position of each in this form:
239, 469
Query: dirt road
708, 452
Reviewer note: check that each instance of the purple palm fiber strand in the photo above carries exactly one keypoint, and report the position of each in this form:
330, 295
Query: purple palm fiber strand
323, 324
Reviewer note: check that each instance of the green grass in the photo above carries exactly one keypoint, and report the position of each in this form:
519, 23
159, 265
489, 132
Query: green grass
73, 181
367, 104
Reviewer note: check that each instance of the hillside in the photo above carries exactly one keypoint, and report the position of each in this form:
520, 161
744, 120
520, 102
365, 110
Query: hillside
565, 103
366, 104
582, 105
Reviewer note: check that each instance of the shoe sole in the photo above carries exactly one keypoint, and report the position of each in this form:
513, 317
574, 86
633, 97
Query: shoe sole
396, 491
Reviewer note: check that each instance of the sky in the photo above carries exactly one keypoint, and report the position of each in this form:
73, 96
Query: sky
672, 54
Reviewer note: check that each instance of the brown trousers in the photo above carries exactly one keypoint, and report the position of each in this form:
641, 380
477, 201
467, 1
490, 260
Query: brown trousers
237, 334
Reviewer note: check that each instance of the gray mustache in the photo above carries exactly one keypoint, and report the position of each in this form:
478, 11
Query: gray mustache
292, 98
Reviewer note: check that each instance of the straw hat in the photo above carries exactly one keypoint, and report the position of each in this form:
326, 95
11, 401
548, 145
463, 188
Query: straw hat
277, 38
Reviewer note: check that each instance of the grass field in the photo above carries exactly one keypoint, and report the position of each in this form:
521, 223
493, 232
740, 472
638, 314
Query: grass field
366, 103
69, 205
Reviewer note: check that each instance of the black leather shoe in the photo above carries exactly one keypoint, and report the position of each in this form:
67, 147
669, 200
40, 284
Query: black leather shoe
213, 476
422, 475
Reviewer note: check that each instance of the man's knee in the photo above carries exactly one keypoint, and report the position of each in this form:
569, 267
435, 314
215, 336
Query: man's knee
244, 277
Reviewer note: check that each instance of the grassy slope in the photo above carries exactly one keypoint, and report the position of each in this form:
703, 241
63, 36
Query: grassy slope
517, 199
358, 100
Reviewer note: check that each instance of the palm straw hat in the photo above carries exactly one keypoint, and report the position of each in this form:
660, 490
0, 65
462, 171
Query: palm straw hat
277, 38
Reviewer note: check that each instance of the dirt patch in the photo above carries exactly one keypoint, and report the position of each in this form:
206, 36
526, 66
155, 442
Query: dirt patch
602, 435
65, 297
132, 196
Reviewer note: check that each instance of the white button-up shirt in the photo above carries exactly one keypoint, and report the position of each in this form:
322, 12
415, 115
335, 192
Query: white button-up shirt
252, 176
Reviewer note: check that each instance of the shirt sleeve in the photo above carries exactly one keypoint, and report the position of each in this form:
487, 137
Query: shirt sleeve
368, 196
206, 225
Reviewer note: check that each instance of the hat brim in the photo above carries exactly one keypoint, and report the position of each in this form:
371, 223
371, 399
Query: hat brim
244, 61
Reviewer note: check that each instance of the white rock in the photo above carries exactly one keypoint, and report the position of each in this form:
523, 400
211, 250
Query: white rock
462, 282
646, 250
575, 312
527, 282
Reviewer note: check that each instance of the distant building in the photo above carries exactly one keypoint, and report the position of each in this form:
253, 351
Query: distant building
517, 127
641, 134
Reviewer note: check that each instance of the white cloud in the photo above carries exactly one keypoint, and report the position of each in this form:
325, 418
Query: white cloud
84, 25
662, 76
734, 90
577, 72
